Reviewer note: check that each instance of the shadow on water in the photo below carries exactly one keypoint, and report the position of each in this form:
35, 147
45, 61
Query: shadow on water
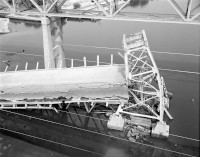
27, 23
37, 24
80, 134
136, 3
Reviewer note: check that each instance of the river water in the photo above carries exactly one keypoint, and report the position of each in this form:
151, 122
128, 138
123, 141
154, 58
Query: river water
174, 38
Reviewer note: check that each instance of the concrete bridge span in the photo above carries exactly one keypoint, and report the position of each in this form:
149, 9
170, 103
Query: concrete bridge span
123, 88
96, 82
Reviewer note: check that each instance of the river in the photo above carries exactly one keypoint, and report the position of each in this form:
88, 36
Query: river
174, 38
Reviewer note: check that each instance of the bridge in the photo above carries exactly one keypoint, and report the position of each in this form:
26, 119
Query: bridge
122, 88
187, 12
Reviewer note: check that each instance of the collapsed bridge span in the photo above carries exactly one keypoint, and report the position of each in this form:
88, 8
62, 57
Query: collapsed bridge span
126, 89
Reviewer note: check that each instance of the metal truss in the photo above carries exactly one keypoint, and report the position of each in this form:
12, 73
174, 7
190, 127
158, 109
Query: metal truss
148, 94
190, 14
89, 105
101, 9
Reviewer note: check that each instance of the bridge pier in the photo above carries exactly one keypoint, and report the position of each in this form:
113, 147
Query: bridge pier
52, 43
47, 44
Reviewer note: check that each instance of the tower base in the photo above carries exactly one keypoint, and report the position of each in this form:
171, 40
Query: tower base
116, 122
161, 130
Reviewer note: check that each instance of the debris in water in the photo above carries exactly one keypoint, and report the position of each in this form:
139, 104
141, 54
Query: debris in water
108, 114
131, 139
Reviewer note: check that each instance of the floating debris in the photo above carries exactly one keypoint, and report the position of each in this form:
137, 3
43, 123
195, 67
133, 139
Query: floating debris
137, 129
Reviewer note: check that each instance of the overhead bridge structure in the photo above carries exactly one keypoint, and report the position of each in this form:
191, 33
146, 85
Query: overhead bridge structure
185, 11
124, 88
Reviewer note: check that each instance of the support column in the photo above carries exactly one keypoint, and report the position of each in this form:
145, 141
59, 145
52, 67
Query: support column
47, 44
58, 41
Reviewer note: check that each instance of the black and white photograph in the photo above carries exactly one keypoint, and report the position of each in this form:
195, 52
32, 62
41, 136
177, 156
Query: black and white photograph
99, 78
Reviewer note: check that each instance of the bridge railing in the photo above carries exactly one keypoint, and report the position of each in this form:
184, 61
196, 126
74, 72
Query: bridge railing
9, 67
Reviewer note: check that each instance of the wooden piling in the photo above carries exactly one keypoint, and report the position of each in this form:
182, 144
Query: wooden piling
37, 65
84, 59
111, 59
26, 66
72, 63
16, 67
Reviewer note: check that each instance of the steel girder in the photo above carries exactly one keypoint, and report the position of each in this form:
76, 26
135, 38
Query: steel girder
148, 95
102, 9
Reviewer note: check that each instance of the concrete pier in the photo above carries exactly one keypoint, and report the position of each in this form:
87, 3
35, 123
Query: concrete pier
47, 44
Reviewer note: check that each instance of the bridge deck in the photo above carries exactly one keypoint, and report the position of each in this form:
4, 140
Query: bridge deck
98, 82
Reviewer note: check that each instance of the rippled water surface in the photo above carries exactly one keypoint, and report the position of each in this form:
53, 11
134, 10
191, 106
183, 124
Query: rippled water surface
173, 38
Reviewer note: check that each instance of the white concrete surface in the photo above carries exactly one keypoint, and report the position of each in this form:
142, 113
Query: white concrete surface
116, 122
161, 130
88, 82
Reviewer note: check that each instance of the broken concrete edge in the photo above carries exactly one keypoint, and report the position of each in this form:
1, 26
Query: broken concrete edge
120, 123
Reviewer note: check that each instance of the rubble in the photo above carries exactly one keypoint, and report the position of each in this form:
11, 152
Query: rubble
139, 121
140, 128
136, 133
136, 129
131, 139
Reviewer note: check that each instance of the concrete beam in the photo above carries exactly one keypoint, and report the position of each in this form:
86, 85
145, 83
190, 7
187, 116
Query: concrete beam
47, 44
96, 82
